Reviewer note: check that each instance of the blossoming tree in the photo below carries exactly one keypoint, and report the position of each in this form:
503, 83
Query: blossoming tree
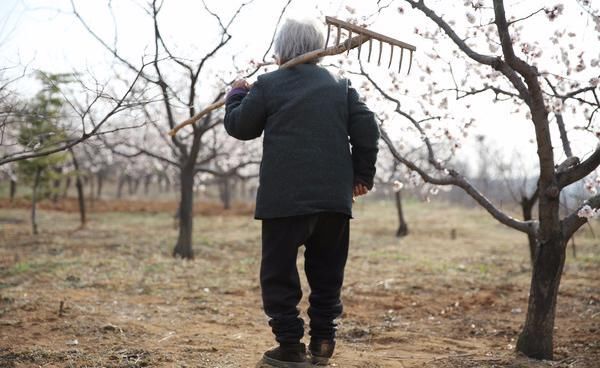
487, 52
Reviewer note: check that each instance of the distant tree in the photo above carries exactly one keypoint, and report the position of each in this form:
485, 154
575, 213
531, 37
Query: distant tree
40, 130
176, 80
232, 162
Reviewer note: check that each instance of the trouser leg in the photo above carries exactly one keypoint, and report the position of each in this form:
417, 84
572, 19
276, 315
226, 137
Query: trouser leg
279, 280
325, 259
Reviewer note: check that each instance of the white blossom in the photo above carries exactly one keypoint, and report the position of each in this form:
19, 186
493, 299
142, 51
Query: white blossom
398, 186
587, 212
591, 186
471, 18
557, 105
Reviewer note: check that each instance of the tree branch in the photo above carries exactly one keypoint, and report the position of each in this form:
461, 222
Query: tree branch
454, 178
573, 222
580, 171
430, 153
85, 136
495, 62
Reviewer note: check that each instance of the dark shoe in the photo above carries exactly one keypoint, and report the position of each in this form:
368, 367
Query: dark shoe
287, 356
321, 351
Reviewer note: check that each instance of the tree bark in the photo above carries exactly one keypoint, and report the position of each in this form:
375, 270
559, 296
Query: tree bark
56, 185
100, 181
67, 187
163, 183
563, 135
183, 247
13, 190
225, 192
129, 185
120, 186
136, 186
147, 182
34, 195
92, 191
79, 186
402, 226
536, 339
527, 208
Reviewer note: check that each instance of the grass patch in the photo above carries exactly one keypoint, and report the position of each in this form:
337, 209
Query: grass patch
20, 267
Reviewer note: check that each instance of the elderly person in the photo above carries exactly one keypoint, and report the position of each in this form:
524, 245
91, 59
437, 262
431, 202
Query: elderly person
319, 150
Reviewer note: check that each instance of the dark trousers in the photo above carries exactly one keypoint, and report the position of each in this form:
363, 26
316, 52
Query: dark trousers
325, 237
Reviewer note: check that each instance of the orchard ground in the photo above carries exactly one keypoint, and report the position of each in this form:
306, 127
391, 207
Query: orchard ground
111, 295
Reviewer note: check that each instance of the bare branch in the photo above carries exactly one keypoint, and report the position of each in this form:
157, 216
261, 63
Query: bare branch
580, 171
148, 153
472, 92
72, 142
525, 17
287, 4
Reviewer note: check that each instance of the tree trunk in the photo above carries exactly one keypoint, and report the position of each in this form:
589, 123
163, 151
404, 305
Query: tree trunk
56, 188
13, 190
120, 186
527, 208
402, 227
79, 186
159, 183
36, 184
67, 187
92, 191
183, 248
100, 181
225, 192
536, 339
164, 183
243, 189
136, 186
147, 182
129, 185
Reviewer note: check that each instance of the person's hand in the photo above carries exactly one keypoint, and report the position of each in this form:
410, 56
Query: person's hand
360, 189
240, 83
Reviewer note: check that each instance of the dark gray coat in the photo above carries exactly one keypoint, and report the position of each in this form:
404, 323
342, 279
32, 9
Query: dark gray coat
319, 139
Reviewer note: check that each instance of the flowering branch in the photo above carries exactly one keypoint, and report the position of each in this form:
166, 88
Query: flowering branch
495, 62
452, 177
579, 217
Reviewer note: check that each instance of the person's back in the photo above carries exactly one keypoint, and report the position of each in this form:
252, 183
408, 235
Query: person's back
307, 164
319, 148
307, 115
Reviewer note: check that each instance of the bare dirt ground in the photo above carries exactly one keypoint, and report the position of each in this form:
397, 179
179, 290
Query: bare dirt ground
112, 296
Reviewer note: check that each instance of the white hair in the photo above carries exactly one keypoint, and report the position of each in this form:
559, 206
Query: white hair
296, 38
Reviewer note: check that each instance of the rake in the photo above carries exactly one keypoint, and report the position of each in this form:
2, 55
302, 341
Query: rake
357, 36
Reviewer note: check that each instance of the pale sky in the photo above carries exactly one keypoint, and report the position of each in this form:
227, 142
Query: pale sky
43, 34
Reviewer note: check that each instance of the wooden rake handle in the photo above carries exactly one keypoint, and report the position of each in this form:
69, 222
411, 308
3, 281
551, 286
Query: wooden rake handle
309, 56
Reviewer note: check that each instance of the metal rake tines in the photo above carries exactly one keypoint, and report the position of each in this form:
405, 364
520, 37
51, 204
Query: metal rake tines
360, 31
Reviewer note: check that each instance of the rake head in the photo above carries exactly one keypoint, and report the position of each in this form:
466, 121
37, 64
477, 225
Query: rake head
360, 31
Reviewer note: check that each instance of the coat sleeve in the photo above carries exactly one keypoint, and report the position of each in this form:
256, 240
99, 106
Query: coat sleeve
364, 138
245, 114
